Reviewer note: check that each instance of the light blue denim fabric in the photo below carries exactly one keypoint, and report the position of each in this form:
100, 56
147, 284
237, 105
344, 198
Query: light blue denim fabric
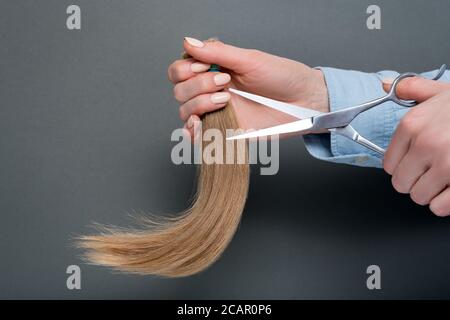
347, 88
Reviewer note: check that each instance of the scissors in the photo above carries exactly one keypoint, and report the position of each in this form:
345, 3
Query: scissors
337, 121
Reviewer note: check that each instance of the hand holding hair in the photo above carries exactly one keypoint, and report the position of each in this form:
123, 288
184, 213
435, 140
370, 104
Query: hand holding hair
195, 238
250, 70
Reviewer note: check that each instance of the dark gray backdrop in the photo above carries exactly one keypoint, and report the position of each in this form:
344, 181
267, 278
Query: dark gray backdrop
85, 121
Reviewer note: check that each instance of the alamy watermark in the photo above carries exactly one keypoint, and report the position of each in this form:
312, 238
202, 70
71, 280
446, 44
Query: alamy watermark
210, 147
373, 21
374, 280
73, 281
73, 21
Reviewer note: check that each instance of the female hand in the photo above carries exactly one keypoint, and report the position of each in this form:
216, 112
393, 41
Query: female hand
261, 73
418, 157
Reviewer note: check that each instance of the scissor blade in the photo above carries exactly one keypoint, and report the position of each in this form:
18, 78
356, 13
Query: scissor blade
296, 126
293, 110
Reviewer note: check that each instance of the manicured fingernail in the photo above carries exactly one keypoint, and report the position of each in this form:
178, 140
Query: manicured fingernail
199, 67
221, 79
190, 122
194, 42
220, 97
388, 81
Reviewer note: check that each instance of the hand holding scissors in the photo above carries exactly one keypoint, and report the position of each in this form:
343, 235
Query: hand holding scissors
338, 121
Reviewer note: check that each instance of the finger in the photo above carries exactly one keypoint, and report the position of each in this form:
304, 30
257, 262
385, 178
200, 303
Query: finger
408, 171
203, 103
440, 205
191, 124
416, 88
429, 185
398, 147
186, 133
181, 70
225, 55
203, 83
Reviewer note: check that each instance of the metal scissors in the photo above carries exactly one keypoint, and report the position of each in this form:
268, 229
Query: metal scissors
337, 121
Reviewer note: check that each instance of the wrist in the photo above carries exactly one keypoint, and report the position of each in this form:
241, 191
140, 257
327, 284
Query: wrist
318, 99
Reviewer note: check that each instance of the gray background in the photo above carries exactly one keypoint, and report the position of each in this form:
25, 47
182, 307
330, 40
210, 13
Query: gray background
85, 121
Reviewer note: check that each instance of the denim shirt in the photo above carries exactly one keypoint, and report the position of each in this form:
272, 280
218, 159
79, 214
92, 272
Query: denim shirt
347, 88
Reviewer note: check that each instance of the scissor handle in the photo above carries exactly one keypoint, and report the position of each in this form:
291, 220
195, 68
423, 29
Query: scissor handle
392, 95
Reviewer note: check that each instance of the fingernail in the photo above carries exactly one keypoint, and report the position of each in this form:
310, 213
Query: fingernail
194, 42
220, 97
199, 67
190, 122
388, 81
221, 79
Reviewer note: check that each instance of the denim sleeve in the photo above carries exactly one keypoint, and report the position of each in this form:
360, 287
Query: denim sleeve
347, 88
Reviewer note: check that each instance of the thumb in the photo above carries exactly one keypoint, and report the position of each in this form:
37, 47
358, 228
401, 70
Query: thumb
416, 88
216, 52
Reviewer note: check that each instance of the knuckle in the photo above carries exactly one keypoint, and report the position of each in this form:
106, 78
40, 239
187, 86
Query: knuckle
178, 93
182, 113
217, 44
387, 168
176, 75
439, 211
422, 144
198, 109
169, 74
395, 183
387, 163
174, 71
204, 83
409, 124
418, 198
398, 185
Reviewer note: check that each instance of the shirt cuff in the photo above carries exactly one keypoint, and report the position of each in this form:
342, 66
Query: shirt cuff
348, 88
